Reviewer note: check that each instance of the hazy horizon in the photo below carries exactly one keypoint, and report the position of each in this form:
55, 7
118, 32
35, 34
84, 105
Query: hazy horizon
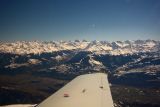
13, 41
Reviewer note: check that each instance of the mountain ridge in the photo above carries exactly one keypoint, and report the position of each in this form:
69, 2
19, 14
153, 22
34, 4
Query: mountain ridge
98, 47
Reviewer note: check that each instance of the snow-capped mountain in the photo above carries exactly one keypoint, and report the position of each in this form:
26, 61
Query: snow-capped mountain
44, 66
98, 47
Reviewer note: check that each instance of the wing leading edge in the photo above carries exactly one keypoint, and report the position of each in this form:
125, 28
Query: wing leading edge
89, 90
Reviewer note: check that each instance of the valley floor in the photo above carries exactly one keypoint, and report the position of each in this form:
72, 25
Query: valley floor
18, 89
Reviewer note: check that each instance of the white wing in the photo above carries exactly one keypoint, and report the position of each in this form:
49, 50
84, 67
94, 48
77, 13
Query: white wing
89, 90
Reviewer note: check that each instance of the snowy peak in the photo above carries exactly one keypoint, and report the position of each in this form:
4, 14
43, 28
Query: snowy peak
95, 46
98, 47
93, 62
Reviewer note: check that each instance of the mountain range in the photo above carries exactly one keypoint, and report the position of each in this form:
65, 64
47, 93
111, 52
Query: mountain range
30, 71
98, 47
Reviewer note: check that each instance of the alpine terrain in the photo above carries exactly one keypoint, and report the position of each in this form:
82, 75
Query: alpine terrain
30, 71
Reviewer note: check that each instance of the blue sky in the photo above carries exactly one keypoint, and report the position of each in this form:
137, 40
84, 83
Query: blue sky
79, 19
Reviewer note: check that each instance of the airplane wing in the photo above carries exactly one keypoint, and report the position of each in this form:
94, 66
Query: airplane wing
89, 90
